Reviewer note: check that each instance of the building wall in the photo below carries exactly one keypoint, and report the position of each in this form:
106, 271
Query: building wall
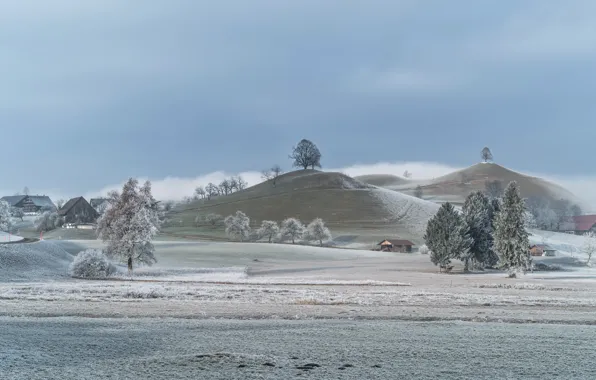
81, 212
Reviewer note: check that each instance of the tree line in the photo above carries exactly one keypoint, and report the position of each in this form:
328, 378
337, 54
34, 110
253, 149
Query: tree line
237, 227
487, 233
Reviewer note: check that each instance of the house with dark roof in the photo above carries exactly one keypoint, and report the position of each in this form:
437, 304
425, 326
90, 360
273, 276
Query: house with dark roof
396, 245
31, 203
78, 211
581, 224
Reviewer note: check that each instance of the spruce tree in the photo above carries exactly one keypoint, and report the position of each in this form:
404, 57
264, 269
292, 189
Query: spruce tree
476, 212
511, 238
447, 236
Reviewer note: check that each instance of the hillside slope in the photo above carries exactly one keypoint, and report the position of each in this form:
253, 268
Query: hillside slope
454, 187
352, 210
382, 180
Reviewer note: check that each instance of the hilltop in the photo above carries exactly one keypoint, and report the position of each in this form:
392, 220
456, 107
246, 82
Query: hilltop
354, 211
454, 187
382, 180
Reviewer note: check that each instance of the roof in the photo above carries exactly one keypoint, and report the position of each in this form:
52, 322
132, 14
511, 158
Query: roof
68, 205
544, 247
397, 242
94, 202
13, 199
584, 222
38, 200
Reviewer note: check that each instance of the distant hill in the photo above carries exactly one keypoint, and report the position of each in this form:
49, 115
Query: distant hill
456, 186
382, 180
353, 210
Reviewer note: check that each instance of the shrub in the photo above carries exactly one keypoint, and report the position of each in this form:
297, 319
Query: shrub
424, 249
91, 263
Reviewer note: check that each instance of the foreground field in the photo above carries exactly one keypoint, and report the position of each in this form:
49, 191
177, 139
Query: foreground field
75, 348
267, 311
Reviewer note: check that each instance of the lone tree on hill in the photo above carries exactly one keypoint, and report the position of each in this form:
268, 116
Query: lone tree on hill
447, 236
306, 154
130, 223
511, 237
589, 247
268, 229
486, 154
476, 212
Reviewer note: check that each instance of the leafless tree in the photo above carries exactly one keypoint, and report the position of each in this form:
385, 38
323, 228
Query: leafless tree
493, 189
226, 186
486, 154
239, 183
211, 190
306, 154
589, 247
407, 174
272, 174
200, 192
26, 191
60, 203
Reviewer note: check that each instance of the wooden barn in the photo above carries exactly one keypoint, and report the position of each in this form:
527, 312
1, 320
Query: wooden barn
542, 250
31, 203
78, 211
396, 245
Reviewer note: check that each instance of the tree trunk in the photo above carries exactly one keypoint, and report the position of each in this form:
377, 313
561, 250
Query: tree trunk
130, 265
292, 240
467, 265
270, 236
321, 242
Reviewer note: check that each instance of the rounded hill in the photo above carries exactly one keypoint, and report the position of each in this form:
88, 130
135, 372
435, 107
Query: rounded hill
457, 185
348, 206
382, 180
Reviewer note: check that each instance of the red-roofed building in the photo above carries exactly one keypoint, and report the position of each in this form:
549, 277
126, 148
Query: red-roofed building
582, 224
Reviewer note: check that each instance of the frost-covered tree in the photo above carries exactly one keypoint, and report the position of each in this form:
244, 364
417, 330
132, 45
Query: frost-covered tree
49, 221
292, 229
424, 250
91, 263
25, 190
238, 226
269, 229
476, 211
493, 189
447, 236
511, 237
317, 231
60, 203
407, 174
17, 212
486, 154
130, 223
418, 192
5, 217
529, 220
306, 154
589, 247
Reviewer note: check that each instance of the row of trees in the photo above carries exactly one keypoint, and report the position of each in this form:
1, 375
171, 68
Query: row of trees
486, 233
291, 229
225, 187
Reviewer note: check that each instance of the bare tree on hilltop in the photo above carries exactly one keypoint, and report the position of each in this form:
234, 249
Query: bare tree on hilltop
486, 154
272, 174
306, 154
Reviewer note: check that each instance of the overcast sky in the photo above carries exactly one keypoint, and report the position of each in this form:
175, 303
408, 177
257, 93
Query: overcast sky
93, 92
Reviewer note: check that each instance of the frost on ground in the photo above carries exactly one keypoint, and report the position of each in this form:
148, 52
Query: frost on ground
411, 212
33, 261
6, 237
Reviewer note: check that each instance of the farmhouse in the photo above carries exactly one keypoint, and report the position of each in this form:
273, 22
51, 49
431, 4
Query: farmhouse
396, 245
78, 211
98, 203
542, 250
581, 224
31, 203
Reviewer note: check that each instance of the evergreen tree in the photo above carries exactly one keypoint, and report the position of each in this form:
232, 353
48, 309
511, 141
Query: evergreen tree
476, 212
447, 236
511, 237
